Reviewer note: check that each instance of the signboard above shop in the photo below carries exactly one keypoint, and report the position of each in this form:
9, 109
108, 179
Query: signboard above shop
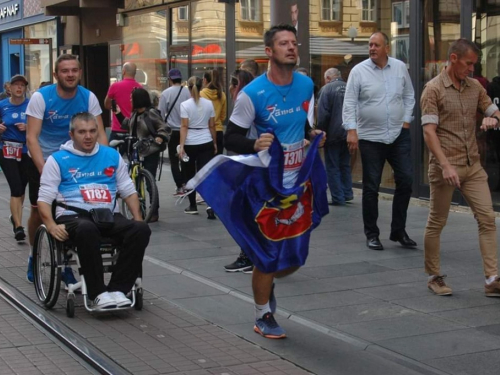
30, 41
10, 11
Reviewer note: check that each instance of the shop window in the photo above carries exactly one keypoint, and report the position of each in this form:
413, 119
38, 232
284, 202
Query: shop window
183, 13
330, 10
369, 10
250, 10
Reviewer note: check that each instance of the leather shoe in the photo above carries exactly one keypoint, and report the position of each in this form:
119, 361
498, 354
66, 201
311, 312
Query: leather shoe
374, 243
404, 240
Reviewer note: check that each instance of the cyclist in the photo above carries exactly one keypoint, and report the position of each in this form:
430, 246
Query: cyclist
14, 157
146, 123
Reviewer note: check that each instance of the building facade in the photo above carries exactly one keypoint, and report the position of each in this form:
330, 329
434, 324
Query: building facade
197, 35
28, 41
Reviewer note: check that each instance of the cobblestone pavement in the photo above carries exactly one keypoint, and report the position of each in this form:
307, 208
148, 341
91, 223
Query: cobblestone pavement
348, 311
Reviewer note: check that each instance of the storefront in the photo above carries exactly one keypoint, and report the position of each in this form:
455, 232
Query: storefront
19, 21
198, 35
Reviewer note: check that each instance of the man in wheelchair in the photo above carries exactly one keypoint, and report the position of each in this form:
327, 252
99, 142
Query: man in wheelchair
83, 178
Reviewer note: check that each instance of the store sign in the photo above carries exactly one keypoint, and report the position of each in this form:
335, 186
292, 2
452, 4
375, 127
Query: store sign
10, 11
29, 41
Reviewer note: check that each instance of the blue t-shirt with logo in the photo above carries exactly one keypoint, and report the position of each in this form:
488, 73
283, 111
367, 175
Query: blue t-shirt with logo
12, 114
88, 181
57, 115
284, 109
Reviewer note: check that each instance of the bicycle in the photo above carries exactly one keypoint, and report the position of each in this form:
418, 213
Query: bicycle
143, 180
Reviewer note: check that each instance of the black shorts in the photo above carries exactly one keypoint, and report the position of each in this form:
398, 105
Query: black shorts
16, 174
34, 181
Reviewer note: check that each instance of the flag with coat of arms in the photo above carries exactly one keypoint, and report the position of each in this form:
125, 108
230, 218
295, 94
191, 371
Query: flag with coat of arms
272, 224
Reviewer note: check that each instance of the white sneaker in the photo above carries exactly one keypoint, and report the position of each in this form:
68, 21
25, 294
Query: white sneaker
199, 199
120, 299
104, 301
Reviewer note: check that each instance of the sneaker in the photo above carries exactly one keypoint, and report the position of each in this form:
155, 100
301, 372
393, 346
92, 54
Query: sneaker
272, 301
179, 191
29, 274
493, 289
268, 327
19, 234
199, 199
104, 301
248, 270
211, 214
13, 225
68, 277
438, 286
191, 210
120, 299
242, 263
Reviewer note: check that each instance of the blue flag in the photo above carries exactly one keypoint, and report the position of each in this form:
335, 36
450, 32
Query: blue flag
272, 224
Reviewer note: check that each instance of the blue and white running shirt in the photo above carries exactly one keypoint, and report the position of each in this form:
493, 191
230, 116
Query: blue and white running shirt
56, 112
284, 109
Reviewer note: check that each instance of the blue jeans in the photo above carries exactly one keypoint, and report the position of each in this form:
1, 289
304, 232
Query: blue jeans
338, 171
373, 157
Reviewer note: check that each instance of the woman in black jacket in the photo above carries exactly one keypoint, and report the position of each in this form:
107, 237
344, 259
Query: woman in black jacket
145, 122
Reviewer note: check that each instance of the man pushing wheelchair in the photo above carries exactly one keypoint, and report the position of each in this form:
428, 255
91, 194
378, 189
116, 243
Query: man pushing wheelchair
84, 178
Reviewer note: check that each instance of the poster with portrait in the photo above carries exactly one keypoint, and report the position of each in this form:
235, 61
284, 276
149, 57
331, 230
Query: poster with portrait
295, 13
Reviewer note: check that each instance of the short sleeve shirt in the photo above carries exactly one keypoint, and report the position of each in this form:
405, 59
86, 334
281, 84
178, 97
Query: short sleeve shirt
454, 113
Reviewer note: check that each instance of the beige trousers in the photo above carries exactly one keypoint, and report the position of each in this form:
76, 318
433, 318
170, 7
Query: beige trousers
474, 188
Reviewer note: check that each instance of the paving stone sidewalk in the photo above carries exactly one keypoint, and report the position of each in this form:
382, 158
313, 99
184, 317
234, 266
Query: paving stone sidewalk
348, 311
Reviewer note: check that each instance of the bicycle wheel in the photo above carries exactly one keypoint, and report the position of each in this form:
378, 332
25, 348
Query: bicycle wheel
47, 273
148, 194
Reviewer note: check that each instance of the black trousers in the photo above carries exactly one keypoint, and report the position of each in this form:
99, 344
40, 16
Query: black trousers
134, 238
175, 140
199, 155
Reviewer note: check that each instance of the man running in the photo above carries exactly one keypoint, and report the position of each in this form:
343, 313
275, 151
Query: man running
283, 101
49, 113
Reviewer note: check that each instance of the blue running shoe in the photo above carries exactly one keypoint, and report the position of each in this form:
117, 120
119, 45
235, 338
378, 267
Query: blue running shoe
269, 328
29, 274
272, 301
68, 277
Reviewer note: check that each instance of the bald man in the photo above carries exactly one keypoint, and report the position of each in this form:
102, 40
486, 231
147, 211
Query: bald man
120, 92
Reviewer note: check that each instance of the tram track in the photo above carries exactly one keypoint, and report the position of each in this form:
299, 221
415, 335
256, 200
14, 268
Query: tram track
88, 355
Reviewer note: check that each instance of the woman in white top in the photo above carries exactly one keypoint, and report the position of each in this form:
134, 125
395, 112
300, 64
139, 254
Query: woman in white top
198, 137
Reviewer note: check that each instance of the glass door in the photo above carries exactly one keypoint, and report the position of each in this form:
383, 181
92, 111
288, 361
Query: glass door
441, 26
486, 33
179, 49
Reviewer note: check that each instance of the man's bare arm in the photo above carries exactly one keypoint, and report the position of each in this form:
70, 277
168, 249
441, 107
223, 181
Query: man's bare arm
434, 145
32, 133
102, 138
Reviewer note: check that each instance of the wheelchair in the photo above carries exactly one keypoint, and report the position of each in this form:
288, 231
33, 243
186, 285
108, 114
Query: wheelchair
50, 256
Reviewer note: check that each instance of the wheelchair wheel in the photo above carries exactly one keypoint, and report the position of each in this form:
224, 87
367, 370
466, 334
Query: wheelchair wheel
70, 308
139, 299
148, 194
46, 261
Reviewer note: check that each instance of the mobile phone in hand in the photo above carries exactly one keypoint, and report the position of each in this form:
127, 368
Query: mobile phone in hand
113, 105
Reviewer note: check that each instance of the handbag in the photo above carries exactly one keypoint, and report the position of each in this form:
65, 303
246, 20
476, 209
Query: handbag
103, 218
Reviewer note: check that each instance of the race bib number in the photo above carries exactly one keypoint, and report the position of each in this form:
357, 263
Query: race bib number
12, 150
294, 154
95, 193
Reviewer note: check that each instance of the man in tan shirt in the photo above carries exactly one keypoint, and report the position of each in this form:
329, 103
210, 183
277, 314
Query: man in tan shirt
449, 104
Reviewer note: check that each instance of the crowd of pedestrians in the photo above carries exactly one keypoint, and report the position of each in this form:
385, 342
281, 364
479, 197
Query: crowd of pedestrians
370, 112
